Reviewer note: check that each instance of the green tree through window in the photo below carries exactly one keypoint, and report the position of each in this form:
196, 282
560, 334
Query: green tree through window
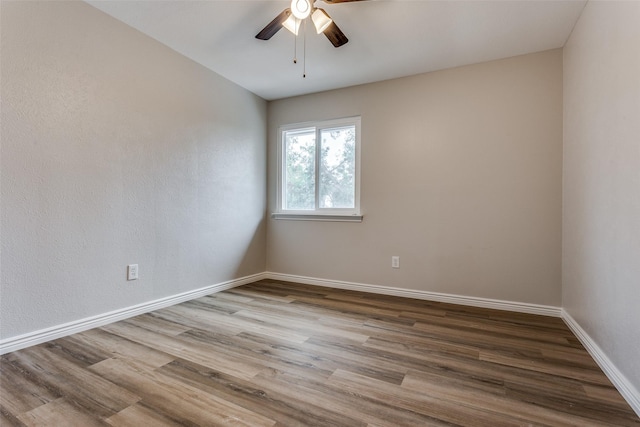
300, 170
319, 167
337, 168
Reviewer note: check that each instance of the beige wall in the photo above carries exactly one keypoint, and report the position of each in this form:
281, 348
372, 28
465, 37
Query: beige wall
117, 150
461, 177
601, 220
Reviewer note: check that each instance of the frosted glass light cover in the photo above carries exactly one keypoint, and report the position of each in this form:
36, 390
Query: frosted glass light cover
321, 20
292, 24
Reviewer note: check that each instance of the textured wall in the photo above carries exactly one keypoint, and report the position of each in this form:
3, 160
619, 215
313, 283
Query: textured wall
117, 150
461, 177
601, 220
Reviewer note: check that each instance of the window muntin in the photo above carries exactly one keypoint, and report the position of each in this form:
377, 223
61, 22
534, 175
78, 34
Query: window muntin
319, 168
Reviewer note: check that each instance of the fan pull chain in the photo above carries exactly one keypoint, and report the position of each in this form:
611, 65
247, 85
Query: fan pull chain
304, 50
295, 43
295, 49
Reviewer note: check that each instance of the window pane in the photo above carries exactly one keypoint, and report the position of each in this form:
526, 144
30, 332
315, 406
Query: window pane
300, 165
337, 167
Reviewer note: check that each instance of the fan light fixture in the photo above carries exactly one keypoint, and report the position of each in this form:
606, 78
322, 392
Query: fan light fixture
301, 8
321, 20
295, 17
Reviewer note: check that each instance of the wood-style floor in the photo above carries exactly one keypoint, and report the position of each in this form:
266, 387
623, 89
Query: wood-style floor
274, 353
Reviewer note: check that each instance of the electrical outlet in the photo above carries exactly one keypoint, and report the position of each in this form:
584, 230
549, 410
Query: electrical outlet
132, 272
395, 262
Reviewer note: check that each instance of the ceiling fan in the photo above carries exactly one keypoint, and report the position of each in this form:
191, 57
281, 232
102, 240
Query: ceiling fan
291, 17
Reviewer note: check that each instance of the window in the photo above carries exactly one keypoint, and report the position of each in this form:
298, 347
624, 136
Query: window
319, 174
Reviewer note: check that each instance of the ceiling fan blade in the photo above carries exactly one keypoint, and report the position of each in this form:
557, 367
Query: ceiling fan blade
339, 1
335, 36
274, 26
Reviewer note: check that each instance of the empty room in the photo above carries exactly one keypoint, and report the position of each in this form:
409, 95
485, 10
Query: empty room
320, 213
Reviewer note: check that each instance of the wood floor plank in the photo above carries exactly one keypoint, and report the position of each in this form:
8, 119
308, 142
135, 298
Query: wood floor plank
477, 373
168, 395
590, 376
490, 404
92, 392
273, 353
21, 391
60, 412
445, 410
257, 294
140, 415
256, 304
536, 334
412, 346
8, 419
574, 407
305, 328
287, 408
157, 324
263, 351
177, 315
196, 352
347, 307
355, 408
487, 339
576, 357
233, 322
116, 345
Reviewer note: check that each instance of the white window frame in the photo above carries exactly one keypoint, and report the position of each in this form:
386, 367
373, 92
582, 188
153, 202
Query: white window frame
318, 214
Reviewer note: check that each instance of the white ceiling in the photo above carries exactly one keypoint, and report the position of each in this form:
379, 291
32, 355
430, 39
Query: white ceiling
387, 38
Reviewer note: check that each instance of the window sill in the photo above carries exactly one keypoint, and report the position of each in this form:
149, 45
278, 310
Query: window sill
316, 217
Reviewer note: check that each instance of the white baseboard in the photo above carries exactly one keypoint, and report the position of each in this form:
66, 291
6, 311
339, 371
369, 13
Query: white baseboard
545, 310
626, 389
48, 334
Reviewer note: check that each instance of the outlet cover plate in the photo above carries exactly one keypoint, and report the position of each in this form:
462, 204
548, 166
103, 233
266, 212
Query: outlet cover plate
132, 272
